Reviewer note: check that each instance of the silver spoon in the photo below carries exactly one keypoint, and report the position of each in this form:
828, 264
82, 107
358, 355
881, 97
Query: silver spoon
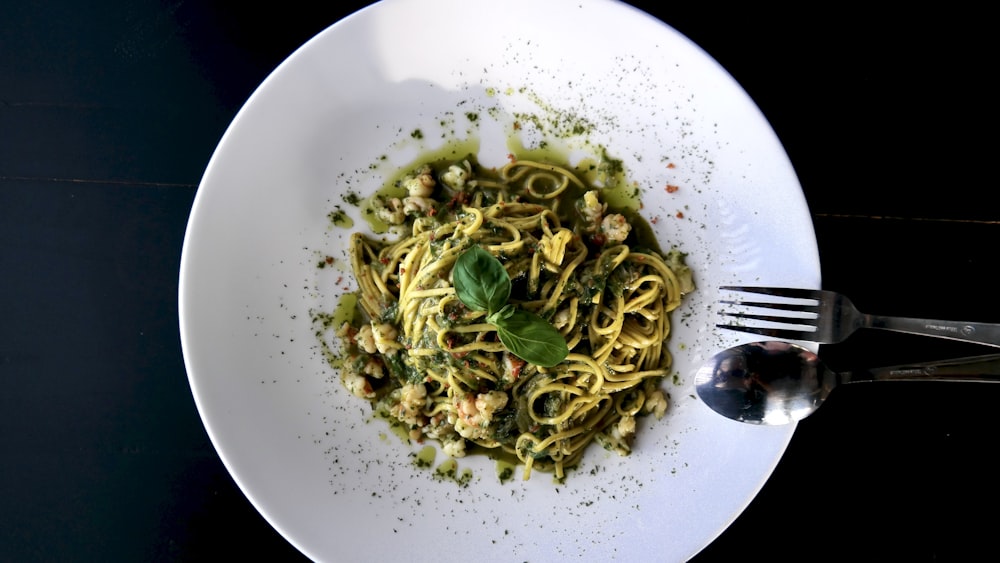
776, 382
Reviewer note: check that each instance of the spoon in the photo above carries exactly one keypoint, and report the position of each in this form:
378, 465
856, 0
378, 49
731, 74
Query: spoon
777, 382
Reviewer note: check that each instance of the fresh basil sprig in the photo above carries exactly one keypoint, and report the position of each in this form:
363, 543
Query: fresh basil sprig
482, 284
481, 281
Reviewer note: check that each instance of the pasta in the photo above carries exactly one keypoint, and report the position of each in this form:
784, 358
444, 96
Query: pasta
438, 366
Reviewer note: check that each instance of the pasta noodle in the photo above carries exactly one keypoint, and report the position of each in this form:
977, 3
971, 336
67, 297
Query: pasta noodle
438, 366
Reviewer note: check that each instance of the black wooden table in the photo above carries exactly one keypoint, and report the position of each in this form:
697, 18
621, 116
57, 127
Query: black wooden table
109, 114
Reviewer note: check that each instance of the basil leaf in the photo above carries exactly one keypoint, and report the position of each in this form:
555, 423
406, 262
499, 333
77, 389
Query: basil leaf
501, 315
481, 281
531, 338
482, 284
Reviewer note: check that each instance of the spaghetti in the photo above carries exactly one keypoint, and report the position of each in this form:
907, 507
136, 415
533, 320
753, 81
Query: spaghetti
438, 366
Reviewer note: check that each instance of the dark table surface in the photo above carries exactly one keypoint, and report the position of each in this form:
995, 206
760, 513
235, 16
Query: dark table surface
110, 113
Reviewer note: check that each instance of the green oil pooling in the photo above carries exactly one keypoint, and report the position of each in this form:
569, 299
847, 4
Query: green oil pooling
448, 471
450, 153
602, 172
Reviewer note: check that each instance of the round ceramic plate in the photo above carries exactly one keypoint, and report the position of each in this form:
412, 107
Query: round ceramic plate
341, 116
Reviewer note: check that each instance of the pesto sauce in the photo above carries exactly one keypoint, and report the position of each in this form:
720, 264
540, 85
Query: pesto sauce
642, 231
347, 310
352, 198
424, 459
451, 152
339, 218
608, 176
505, 463
395, 425
505, 470
449, 471
602, 172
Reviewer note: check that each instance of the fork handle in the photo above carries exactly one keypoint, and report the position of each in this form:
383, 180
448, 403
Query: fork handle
978, 333
976, 368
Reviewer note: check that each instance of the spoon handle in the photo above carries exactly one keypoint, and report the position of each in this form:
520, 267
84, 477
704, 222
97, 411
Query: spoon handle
978, 333
975, 368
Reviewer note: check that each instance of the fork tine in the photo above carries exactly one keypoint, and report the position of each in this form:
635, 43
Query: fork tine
800, 321
793, 292
781, 333
780, 306
803, 326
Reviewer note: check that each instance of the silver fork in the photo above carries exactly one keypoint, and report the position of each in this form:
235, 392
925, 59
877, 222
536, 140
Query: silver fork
827, 317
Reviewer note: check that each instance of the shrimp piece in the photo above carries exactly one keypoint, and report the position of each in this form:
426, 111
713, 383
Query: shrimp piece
489, 403
366, 339
512, 366
390, 211
456, 176
374, 369
357, 384
384, 335
592, 210
656, 403
417, 205
453, 448
422, 185
476, 411
615, 228
561, 319
620, 437
626, 428
412, 400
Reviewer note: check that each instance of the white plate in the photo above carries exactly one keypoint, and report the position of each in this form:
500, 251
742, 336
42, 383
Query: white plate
339, 114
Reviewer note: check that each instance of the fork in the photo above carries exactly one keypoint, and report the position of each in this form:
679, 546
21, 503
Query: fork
828, 317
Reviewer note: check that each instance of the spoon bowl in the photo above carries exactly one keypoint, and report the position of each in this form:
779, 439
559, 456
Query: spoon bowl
775, 382
769, 382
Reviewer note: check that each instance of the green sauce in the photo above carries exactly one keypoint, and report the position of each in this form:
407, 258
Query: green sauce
505, 470
424, 459
449, 471
347, 310
395, 425
451, 152
602, 172
340, 219
561, 133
